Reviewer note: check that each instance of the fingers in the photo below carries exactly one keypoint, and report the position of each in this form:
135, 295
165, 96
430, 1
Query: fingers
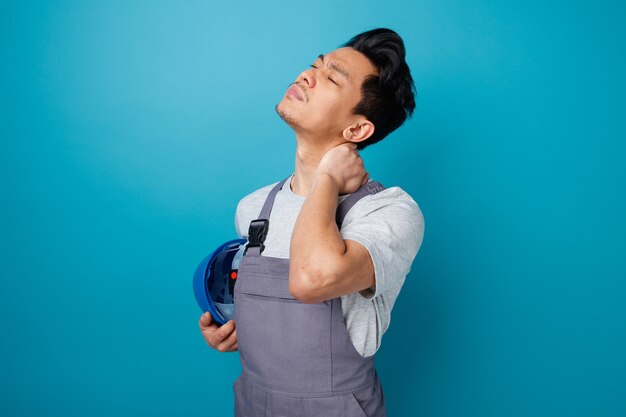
350, 145
207, 329
228, 343
220, 336
205, 320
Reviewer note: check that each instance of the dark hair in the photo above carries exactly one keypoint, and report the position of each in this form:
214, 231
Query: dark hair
387, 99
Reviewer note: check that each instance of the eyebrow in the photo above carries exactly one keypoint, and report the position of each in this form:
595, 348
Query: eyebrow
336, 67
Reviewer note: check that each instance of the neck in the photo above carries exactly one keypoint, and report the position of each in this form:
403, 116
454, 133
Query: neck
309, 152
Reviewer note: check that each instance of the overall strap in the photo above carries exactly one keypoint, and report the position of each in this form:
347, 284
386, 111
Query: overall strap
259, 227
371, 187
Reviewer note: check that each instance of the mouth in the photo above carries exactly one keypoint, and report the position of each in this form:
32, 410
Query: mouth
295, 91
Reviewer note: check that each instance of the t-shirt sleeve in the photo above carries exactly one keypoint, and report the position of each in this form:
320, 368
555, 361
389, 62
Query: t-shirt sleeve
392, 231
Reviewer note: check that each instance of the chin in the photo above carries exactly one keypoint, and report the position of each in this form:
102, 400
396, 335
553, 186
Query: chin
286, 115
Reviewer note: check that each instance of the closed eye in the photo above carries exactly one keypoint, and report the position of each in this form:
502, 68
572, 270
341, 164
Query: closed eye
313, 66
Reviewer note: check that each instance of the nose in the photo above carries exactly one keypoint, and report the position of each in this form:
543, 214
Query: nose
306, 77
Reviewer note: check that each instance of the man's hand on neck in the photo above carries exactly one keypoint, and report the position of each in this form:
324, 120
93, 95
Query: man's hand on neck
341, 161
316, 243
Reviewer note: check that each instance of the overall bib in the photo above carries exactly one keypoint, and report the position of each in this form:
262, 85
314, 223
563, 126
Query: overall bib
297, 359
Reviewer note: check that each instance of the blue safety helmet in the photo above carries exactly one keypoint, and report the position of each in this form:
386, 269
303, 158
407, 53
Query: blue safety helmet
215, 278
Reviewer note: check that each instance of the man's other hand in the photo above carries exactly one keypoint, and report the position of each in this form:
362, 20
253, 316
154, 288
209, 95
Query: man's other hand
222, 338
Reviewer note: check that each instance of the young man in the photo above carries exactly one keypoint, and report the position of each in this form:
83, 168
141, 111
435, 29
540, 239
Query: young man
316, 287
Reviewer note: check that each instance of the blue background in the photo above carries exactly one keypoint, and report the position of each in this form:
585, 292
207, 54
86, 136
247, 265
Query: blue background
130, 130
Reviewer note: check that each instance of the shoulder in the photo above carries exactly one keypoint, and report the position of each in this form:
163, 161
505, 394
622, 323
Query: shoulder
256, 195
249, 207
392, 203
389, 223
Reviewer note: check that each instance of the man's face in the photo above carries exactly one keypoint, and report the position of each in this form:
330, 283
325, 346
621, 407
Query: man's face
328, 91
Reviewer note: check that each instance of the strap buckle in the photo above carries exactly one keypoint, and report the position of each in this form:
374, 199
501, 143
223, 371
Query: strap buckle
257, 233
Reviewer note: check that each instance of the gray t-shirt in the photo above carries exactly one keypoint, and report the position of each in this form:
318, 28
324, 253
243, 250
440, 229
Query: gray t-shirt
389, 224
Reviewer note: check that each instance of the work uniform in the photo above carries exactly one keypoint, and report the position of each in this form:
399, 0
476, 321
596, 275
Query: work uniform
297, 359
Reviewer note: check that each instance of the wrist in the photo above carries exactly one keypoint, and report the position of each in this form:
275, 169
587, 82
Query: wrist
325, 178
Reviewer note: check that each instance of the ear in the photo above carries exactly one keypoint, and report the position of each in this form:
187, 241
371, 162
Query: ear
359, 131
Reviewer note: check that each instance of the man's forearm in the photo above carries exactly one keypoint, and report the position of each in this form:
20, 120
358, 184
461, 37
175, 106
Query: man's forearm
315, 242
